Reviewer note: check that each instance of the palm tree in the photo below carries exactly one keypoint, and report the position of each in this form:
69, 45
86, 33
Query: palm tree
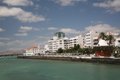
110, 38
102, 35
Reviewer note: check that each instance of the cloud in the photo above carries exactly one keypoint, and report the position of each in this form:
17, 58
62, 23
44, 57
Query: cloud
67, 2
2, 18
102, 28
13, 51
47, 8
70, 31
21, 34
110, 5
20, 14
18, 2
25, 44
1, 30
27, 28
37, 6
36, 29
16, 42
98, 28
52, 28
2, 44
42, 37
96, 22
4, 38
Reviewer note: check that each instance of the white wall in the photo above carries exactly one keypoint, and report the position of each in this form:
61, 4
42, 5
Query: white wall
89, 38
117, 41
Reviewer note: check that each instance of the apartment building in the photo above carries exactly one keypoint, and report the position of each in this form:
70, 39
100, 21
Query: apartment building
55, 44
77, 40
117, 41
95, 41
89, 38
60, 41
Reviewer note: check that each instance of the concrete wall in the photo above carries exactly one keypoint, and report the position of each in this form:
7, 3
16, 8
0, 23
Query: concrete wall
93, 60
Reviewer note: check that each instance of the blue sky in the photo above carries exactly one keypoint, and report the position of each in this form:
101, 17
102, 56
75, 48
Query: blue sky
26, 23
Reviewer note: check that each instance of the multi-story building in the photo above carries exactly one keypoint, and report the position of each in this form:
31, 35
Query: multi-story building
95, 41
55, 44
77, 40
89, 38
46, 48
60, 41
81, 41
117, 41
73, 41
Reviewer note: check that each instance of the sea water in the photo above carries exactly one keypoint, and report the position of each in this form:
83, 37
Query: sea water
12, 68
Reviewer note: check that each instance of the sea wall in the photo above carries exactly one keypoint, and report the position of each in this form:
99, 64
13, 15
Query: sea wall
92, 60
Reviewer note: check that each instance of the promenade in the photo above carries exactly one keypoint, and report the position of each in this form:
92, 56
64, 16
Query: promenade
76, 58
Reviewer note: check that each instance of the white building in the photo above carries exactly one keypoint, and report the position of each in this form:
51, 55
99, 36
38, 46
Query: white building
46, 48
81, 41
34, 51
112, 33
31, 51
95, 41
42, 50
117, 41
54, 44
89, 38
77, 40
114, 43
64, 42
73, 41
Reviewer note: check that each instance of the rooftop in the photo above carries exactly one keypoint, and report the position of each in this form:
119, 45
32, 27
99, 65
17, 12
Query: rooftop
32, 48
102, 43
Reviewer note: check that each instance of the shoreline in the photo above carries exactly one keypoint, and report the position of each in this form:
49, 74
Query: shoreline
92, 60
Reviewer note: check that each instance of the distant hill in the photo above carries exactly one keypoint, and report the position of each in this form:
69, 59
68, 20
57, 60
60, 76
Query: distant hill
12, 51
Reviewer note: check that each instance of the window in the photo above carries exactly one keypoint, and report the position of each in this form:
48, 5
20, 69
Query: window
95, 39
119, 41
88, 41
95, 43
87, 35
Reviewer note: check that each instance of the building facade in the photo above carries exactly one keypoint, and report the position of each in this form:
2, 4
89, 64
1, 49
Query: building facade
34, 51
31, 51
89, 38
64, 42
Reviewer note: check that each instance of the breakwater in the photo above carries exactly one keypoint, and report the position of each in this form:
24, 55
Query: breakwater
92, 60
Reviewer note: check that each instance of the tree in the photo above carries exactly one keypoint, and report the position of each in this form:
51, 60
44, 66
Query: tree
86, 51
102, 35
64, 51
80, 50
78, 46
60, 50
110, 38
47, 51
90, 49
75, 47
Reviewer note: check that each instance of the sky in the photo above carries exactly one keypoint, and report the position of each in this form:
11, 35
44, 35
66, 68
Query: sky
27, 23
